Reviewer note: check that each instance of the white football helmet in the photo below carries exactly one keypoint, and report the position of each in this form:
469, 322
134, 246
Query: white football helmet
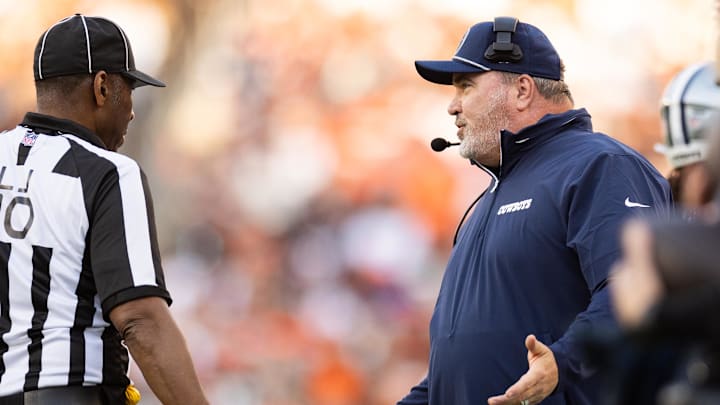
690, 107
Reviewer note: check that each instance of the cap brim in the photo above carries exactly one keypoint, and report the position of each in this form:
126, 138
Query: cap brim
143, 79
441, 71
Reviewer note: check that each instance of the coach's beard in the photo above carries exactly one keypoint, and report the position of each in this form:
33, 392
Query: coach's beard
482, 148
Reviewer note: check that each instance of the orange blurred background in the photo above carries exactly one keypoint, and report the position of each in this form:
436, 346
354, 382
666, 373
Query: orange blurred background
303, 219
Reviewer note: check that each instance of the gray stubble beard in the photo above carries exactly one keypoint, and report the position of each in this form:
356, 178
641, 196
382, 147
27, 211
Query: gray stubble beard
482, 143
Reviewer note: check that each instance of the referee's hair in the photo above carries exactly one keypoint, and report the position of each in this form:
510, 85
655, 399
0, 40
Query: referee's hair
55, 91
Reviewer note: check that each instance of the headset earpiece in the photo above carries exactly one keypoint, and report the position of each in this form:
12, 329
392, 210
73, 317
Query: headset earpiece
503, 49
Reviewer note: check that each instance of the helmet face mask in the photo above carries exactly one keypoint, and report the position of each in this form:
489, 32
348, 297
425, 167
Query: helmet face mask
690, 110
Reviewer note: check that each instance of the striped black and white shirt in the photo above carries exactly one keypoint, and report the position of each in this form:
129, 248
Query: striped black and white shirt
77, 239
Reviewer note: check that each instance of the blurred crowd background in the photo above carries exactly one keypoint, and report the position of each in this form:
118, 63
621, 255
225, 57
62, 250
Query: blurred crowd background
304, 221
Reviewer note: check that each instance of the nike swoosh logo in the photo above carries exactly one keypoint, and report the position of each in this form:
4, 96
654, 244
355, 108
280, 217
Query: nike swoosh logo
631, 204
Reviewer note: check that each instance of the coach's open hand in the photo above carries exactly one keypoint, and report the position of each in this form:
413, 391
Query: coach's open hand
538, 382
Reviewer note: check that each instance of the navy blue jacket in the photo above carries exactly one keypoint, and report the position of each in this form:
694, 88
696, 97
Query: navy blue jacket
534, 258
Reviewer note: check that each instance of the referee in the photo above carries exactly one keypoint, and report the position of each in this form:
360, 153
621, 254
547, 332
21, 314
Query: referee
80, 276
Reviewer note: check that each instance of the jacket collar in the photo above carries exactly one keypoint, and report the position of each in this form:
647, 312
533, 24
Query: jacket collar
551, 125
49, 125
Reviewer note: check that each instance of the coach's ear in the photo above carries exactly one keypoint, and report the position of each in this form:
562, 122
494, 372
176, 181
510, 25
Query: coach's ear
101, 88
524, 91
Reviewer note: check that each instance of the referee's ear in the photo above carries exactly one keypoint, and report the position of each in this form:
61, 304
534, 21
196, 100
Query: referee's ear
101, 87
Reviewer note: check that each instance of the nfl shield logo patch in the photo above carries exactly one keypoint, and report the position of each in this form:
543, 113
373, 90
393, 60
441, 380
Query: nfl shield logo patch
29, 139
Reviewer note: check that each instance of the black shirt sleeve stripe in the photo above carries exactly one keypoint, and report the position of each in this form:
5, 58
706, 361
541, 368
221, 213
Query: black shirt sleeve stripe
159, 275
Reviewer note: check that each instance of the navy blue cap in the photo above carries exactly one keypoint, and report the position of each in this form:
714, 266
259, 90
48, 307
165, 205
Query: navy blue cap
80, 44
536, 57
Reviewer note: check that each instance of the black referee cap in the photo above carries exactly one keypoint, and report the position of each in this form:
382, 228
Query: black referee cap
80, 44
